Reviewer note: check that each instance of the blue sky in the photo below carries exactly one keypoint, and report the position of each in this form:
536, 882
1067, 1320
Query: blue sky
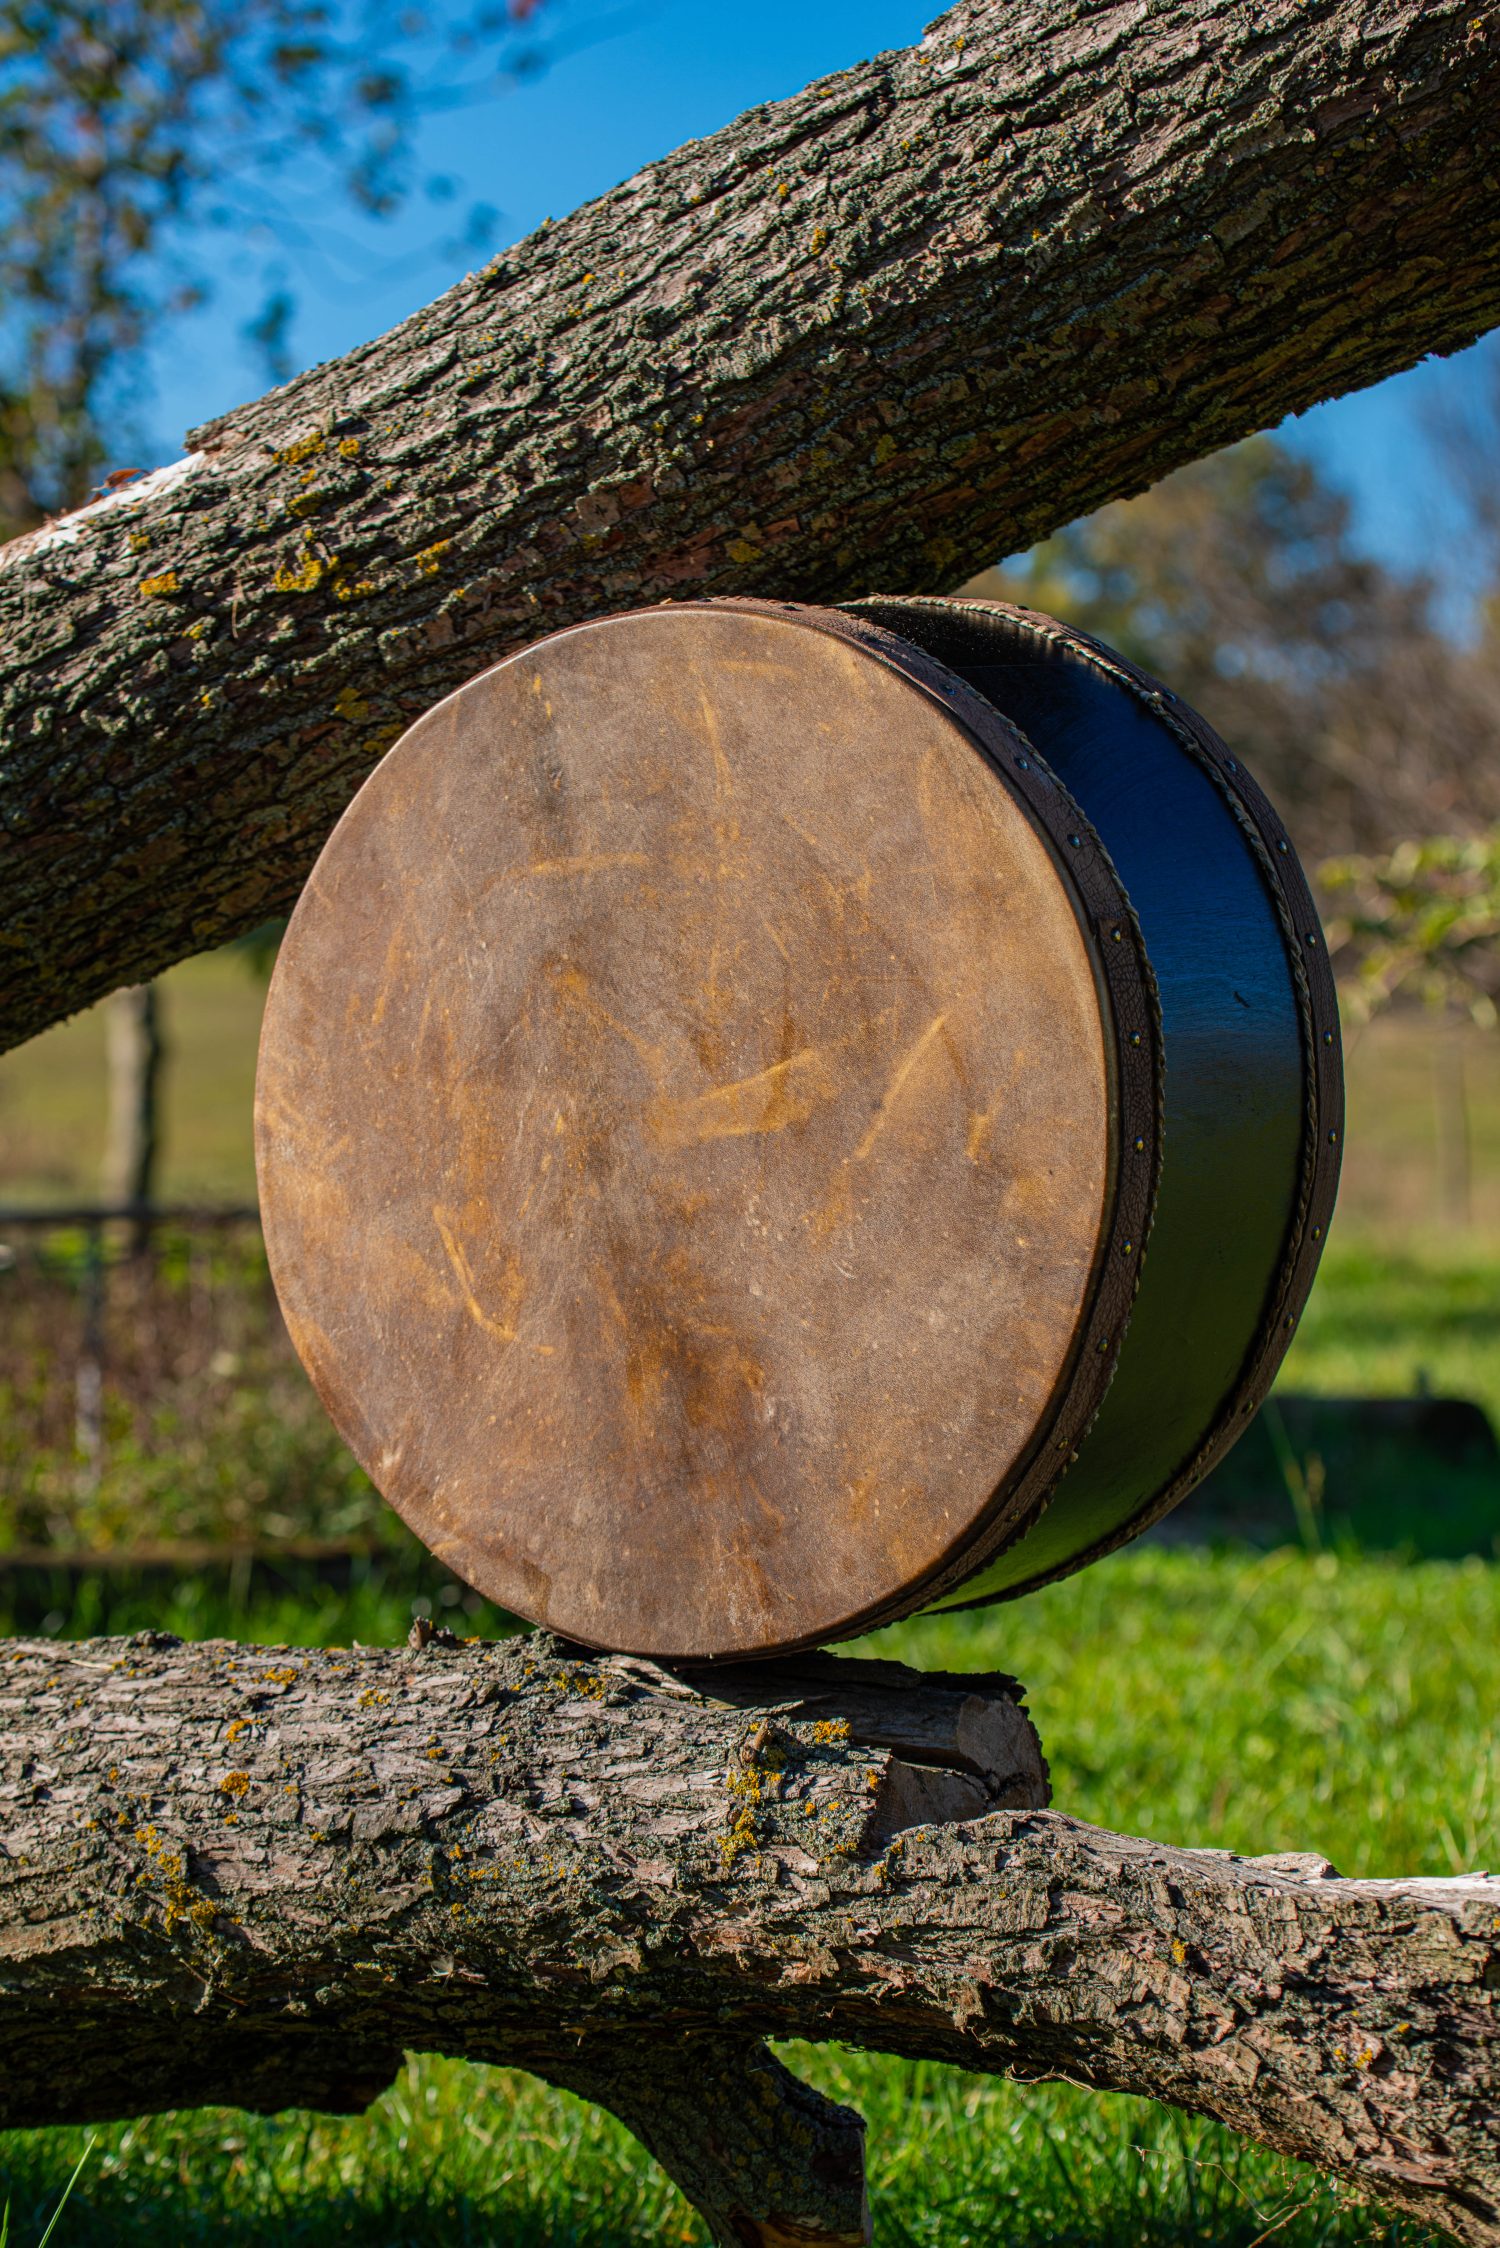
630, 80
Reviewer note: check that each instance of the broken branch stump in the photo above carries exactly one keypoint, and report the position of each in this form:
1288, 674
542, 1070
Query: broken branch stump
256, 1876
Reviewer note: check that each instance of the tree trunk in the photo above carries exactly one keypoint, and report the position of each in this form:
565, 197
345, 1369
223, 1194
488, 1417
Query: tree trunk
255, 1876
135, 1053
878, 334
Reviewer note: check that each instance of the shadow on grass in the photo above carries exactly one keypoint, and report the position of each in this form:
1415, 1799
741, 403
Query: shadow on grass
424, 2219
1417, 1477
417, 2222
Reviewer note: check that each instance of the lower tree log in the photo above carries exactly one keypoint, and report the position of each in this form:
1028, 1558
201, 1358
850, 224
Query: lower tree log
256, 1876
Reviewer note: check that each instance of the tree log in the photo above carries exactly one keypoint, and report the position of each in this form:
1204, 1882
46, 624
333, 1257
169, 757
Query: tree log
255, 1876
911, 319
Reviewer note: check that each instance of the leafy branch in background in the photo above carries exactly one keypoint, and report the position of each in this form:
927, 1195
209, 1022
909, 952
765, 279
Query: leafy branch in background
1421, 920
143, 143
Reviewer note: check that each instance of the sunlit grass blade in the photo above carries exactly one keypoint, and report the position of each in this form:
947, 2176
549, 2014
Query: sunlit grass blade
67, 2189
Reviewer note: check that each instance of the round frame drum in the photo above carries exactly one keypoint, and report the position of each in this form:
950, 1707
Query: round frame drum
721, 1085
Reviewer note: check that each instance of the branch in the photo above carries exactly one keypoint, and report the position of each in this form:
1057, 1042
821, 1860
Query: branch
911, 319
766, 2160
254, 1876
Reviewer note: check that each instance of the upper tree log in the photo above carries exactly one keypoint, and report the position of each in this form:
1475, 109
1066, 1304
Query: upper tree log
879, 333
254, 1875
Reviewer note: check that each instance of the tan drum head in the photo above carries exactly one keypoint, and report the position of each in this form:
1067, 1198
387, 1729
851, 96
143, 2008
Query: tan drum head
705, 1089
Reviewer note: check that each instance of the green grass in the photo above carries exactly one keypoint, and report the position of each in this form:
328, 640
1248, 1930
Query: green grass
453, 2155
56, 2216
1287, 1701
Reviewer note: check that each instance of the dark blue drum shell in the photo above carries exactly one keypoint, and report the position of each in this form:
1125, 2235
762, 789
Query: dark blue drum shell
1253, 1092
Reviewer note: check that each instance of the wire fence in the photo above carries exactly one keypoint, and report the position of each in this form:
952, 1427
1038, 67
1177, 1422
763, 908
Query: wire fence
149, 1393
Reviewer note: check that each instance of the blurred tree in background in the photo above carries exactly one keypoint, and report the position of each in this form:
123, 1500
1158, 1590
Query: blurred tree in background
143, 142
1237, 582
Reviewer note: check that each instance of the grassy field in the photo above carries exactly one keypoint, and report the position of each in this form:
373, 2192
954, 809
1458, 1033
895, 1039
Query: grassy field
454, 2157
52, 1094
1332, 1700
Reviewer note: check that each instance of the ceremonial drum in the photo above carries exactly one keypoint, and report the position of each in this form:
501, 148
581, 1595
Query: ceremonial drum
772, 1118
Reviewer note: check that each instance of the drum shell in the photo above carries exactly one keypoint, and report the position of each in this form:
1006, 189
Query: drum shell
1253, 1088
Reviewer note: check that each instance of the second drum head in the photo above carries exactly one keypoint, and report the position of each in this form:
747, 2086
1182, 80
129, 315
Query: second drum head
705, 1089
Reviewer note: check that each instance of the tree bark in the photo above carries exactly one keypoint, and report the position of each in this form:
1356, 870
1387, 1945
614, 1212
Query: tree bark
911, 319
255, 1876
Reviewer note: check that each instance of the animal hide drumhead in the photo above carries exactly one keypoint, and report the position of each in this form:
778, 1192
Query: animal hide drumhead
714, 1103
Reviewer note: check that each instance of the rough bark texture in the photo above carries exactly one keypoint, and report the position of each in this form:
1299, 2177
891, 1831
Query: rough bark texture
876, 334
255, 1876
